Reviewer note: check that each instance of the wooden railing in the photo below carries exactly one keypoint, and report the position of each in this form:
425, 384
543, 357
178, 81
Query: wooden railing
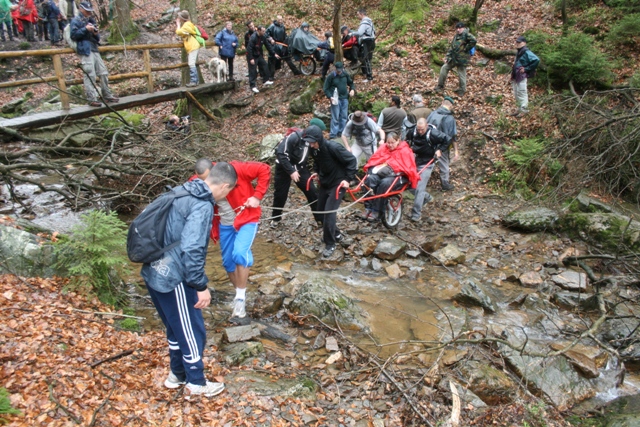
56, 57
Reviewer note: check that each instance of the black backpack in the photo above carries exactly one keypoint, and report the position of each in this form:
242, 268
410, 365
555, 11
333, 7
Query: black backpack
145, 239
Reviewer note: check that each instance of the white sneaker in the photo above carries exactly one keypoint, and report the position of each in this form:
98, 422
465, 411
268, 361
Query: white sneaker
255, 90
239, 308
268, 82
207, 390
172, 381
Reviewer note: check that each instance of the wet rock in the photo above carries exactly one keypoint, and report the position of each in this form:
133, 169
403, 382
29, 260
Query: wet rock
493, 263
582, 363
376, 265
308, 253
272, 332
491, 385
570, 300
413, 253
553, 378
449, 255
478, 232
532, 219
390, 248
623, 412
368, 245
320, 297
320, 340
467, 397
571, 280
334, 358
474, 294
606, 229
13, 105
591, 205
268, 144
237, 353
394, 271
453, 356
432, 243
263, 384
364, 263
25, 254
241, 333
530, 279
331, 344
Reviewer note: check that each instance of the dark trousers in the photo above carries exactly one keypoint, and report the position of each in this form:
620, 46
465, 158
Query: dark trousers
276, 64
367, 47
351, 54
281, 185
9, 30
28, 31
186, 332
327, 202
42, 30
259, 65
328, 60
229, 61
380, 185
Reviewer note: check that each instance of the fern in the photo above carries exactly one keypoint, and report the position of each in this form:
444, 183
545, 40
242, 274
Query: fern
93, 251
5, 406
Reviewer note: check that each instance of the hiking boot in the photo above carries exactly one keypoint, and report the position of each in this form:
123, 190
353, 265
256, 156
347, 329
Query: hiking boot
255, 90
459, 92
173, 381
192, 84
268, 82
239, 308
112, 99
375, 216
328, 251
447, 187
95, 104
415, 218
208, 390
427, 199
438, 89
344, 241
366, 214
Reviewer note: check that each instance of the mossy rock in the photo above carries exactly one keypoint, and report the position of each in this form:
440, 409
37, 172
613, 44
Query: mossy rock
303, 103
531, 220
610, 230
135, 120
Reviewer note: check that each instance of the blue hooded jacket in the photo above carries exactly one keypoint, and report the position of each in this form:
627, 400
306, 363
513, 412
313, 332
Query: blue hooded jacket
225, 40
87, 42
189, 221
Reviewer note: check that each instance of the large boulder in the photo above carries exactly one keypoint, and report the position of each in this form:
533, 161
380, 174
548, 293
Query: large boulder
320, 297
531, 219
268, 145
610, 230
25, 254
473, 293
303, 103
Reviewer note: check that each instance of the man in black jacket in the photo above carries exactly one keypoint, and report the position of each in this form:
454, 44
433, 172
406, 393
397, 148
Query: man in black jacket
292, 155
256, 60
427, 143
277, 37
335, 167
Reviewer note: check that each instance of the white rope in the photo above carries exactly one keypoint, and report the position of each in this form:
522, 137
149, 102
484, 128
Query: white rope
302, 209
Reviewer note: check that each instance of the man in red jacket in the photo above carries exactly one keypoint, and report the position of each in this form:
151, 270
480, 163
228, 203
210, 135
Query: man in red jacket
235, 224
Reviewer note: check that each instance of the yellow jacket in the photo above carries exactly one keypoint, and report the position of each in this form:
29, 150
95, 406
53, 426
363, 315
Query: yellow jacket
187, 32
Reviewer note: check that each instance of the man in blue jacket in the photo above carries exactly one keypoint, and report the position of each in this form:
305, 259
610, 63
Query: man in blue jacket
227, 41
84, 31
177, 283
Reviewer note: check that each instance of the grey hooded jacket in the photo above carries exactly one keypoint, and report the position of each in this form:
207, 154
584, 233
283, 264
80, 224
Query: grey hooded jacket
189, 221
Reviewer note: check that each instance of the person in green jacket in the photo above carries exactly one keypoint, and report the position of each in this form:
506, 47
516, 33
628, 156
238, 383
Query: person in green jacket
458, 56
5, 18
338, 87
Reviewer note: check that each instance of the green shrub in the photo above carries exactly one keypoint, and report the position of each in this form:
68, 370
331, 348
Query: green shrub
525, 151
92, 252
5, 406
378, 106
460, 13
575, 58
626, 32
130, 324
634, 81
575, 4
440, 27
404, 13
629, 6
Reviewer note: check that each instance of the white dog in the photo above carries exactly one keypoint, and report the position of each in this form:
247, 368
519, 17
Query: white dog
218, 68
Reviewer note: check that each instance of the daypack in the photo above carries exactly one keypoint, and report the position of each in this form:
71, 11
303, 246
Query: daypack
203, 33
145, 239
437, 137
472, 51
199, 37
66, 33
287, 134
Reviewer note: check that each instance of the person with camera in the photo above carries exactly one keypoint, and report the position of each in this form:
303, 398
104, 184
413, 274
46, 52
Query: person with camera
179, 124
84, 31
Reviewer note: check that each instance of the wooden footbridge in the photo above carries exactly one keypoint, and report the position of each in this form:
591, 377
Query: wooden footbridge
61, 82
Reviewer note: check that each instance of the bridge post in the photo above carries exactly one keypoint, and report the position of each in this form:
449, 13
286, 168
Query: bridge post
62, 85
147, 68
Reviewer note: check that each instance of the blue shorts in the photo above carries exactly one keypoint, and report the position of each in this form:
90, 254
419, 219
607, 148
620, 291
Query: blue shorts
236, 245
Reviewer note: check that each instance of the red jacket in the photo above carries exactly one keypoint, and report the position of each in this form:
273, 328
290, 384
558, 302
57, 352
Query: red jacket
247, 173
401, 160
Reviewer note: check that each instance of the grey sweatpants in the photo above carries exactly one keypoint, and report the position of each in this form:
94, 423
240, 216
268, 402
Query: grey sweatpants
93, 66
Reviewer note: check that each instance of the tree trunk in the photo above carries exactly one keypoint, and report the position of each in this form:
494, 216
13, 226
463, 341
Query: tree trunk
123, 29
337, 23
495, 53
103, 13
474, 16
565, 18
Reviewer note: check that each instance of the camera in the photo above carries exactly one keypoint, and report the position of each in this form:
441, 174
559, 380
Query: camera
185, 118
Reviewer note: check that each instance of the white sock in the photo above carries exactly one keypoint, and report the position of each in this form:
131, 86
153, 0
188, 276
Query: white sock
241, 293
